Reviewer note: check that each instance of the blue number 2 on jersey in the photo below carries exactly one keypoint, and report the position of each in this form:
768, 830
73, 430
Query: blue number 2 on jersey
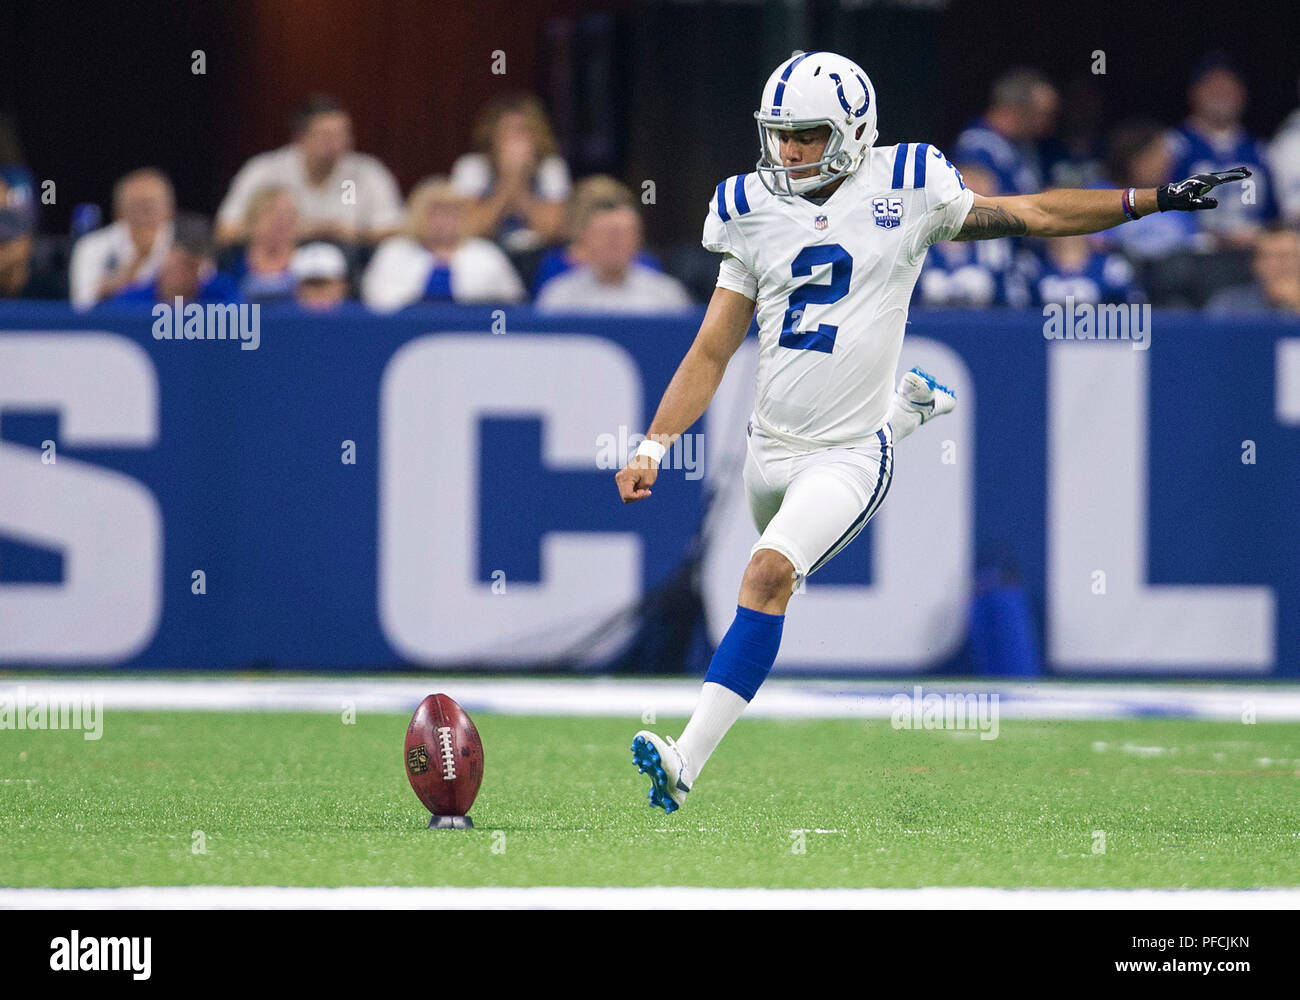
823, 338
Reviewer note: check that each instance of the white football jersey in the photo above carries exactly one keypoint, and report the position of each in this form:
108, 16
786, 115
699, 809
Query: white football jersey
833, 284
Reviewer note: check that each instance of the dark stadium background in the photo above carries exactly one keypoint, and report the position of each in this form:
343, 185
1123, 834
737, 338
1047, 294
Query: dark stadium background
650, 89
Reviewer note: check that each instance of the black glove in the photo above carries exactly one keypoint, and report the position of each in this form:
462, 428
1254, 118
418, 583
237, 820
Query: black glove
1189, 195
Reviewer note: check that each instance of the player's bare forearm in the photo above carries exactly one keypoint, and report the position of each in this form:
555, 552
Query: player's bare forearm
1075, 211
692, 387
1064, 212
697, 378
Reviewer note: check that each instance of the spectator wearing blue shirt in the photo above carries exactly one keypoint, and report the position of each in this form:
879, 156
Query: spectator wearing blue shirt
974, 273
1139, 155
261, 269
1072, 267
187, 272
1022, 111
17, 185
1213, 138
590, 195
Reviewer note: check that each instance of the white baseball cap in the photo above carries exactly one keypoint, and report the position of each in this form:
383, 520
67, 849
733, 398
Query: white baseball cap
318, 262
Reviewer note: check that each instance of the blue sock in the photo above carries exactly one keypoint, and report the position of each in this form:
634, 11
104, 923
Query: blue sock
746, 653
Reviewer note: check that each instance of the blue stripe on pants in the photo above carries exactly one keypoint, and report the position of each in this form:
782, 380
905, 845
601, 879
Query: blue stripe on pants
884, 476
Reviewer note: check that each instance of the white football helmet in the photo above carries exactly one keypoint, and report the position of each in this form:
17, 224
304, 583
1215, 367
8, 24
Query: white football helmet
807, 90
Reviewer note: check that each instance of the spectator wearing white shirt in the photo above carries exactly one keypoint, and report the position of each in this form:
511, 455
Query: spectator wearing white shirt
1284, 158
434, 260
188, 272
611, 279
341, 194
132, 248
516, 180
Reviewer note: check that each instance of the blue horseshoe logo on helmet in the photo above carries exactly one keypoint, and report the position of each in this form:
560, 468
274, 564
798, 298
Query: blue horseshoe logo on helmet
839, 92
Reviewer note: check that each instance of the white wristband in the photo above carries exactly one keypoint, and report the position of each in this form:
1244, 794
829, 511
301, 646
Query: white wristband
652, 448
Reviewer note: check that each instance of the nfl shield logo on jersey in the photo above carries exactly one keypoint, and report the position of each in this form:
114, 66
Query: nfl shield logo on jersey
888, 212
820, 223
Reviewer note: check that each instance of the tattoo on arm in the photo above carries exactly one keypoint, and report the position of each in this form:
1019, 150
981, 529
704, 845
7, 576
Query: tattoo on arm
985, 223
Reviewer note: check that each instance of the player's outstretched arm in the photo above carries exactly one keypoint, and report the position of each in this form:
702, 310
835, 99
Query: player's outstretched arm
1072, 211
725, 323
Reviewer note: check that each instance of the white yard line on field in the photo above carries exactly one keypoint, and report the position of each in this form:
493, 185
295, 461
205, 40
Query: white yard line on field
779, 698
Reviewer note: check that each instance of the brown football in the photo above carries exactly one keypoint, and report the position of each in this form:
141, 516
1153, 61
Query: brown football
444, 756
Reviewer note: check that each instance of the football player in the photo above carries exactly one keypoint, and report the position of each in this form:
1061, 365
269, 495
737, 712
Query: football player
824, 242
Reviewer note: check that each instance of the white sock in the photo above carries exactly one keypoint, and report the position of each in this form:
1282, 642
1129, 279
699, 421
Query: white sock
903, 420
714, 714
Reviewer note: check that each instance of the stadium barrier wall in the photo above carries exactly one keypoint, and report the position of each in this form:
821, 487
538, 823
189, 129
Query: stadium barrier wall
436, 489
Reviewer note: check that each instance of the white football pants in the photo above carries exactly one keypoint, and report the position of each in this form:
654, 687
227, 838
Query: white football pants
809, 503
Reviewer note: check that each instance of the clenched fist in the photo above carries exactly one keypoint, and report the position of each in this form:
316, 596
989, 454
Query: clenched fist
635, 479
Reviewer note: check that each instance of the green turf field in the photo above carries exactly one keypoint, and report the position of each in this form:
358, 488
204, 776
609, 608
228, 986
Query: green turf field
300, 799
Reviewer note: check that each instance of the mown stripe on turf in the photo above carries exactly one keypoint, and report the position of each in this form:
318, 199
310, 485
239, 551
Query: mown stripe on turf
621, 898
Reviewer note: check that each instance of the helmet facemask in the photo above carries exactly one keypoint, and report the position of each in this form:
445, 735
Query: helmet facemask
835, 162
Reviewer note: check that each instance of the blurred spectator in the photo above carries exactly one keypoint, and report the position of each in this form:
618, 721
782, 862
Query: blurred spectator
187, 272
261, 270
516, 180
1022, 111
1276, 266
320, 275
1140, 156
17, 185
131, 249
1070, 266
341, 194
435, 261
1076, 159
1213, 138
1284, 161
20, 278
610, 279
974, 273
589, 195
